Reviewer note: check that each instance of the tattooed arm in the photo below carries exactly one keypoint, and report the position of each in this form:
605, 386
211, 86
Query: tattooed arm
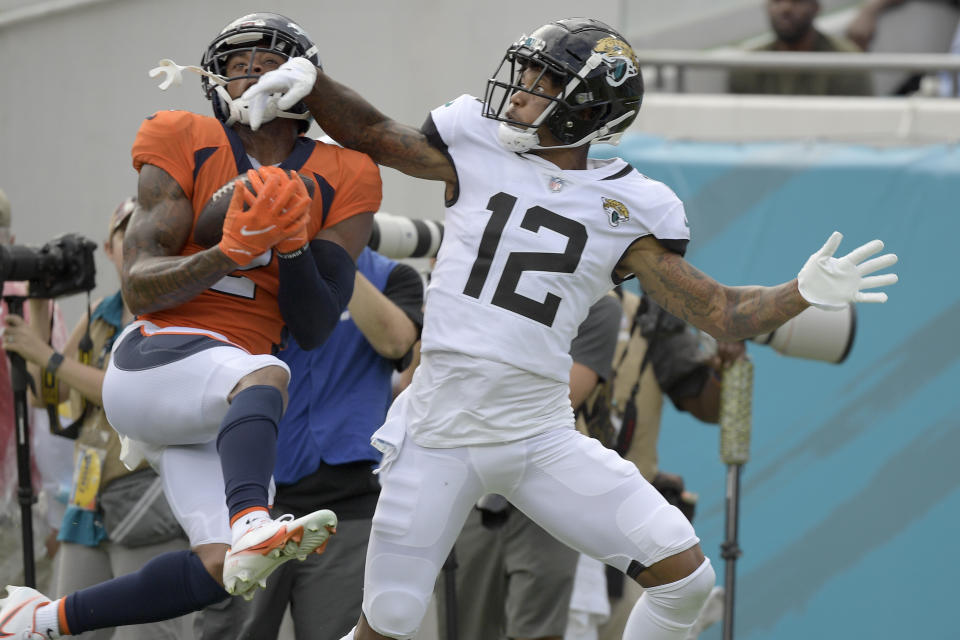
155, 276
355, 123
726, 313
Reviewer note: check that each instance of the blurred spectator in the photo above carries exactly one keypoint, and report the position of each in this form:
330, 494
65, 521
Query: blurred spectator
950, 82
51, 456
863, 27
792, 24
116, 520
339, 395
513, 579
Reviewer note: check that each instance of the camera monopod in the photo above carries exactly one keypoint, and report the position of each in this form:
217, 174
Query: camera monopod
19, 381
736, 399
450, 596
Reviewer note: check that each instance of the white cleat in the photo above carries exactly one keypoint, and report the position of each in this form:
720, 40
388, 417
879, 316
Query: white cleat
266, 546
17, 615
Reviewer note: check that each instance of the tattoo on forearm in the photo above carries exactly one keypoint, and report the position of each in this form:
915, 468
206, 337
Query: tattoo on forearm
356, 124
728, 313
155, 276
755, 310
164, 283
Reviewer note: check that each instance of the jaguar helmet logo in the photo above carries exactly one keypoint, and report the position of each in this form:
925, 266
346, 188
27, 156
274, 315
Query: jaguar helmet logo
621, 62
616, 212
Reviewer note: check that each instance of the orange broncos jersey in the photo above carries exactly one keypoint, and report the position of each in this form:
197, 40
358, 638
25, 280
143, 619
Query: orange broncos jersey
202, 155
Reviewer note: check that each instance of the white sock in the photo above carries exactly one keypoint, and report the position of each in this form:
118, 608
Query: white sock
46, 617
666, 612
246, 522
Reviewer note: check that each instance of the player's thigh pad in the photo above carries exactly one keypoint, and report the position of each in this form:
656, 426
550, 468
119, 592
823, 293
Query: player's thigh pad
425, 497
193, 485
590, 498
170, 386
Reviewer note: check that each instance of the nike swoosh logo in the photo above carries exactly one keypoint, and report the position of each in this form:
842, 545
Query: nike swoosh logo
255, 232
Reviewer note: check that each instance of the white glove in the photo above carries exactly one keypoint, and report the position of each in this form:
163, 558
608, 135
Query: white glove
831, 283
293, 80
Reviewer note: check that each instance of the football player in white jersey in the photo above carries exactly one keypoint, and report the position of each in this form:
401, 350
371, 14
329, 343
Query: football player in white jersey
535, 232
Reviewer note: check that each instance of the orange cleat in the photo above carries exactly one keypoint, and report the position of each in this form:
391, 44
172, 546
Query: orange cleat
270, 543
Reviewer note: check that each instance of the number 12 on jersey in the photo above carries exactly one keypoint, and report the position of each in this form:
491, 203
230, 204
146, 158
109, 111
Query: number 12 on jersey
535, 218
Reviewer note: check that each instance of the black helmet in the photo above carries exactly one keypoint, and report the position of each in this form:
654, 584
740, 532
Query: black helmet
255, 32
599, 73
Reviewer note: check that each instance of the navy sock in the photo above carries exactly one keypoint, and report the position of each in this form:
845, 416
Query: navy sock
247, 444
170, 585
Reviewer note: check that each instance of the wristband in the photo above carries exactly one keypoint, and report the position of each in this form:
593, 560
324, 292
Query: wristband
294, 254
48, 379
56, 359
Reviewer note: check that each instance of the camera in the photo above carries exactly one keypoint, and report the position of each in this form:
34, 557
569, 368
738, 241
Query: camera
815, 334
400, 237
61, 267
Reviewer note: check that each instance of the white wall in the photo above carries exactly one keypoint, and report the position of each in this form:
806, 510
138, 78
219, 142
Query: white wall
74, 85
74, 88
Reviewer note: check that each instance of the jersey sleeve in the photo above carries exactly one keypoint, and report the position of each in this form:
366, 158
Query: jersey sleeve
405, 289
674, 352
359, 190
667, 219
164, 140
443, 122
596, 338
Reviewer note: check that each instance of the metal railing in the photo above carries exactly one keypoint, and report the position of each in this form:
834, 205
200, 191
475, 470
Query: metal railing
781, 61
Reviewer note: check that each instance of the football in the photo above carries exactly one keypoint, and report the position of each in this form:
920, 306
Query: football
209, 226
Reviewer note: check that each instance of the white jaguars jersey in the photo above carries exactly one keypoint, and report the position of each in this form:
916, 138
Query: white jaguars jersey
528, 248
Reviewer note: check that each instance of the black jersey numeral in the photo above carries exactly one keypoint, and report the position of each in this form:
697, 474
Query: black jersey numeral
534, 219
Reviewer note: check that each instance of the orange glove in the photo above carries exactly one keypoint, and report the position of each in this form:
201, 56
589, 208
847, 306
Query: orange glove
297, 240
254, 223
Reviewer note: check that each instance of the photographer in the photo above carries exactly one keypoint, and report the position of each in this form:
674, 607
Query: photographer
658, 355
51, 456
116, 520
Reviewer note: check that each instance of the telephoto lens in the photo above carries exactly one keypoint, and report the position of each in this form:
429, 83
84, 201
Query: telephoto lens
400, 237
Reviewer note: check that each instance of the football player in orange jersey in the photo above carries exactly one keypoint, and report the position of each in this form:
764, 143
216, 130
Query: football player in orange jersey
194, 386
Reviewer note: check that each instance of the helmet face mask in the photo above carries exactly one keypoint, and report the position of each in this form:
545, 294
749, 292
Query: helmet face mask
602, 87
248, 35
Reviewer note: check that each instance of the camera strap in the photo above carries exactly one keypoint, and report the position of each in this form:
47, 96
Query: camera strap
628, 424
50, 389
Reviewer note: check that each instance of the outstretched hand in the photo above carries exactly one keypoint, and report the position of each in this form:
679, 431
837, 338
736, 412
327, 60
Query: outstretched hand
280, 89
831, 283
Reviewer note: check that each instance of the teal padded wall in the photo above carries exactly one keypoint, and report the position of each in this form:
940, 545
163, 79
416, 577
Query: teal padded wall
850, 506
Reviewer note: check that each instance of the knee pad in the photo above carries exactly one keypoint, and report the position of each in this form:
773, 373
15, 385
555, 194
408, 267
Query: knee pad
682, 600
395, 613
396, 592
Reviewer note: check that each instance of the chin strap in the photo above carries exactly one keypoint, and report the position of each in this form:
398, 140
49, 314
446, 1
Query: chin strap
239, 109
527, 139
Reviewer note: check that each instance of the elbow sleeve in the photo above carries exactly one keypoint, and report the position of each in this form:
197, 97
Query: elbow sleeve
315, 288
